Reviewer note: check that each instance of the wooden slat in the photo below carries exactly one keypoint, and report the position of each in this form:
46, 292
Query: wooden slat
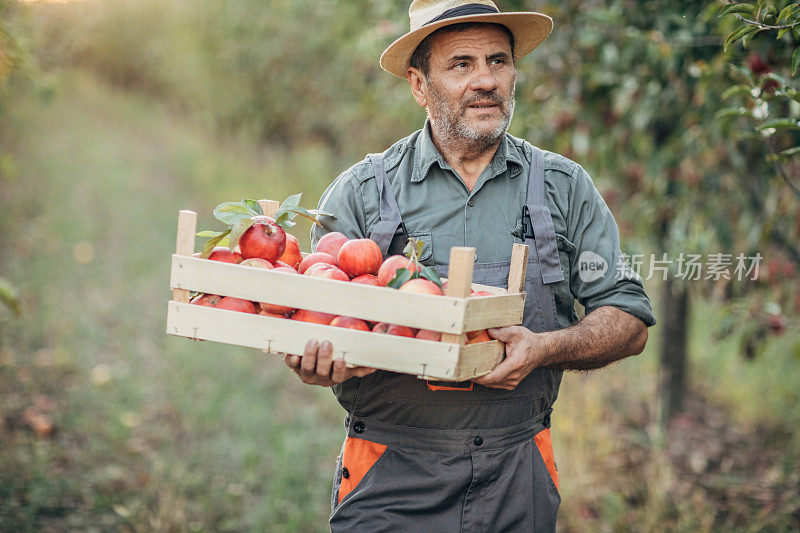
487, 288
270, 207
434, 360
184, 245
494, 311
437, 313
478, 359
519, 267
459, 283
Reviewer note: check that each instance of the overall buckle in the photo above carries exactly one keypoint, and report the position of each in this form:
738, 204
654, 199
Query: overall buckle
527, 225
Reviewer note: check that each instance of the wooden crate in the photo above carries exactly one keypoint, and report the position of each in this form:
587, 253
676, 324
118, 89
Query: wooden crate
453, 314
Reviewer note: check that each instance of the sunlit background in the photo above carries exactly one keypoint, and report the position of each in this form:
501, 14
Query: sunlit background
115, 114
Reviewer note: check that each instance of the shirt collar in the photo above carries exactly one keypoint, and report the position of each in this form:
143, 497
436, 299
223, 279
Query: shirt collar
426, 154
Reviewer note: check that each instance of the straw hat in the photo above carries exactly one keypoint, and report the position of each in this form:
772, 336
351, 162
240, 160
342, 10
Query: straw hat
427, 16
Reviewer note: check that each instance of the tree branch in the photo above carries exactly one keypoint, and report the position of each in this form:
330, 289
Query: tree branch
780, 170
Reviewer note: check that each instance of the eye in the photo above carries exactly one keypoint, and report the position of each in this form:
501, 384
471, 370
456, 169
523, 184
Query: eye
461, 65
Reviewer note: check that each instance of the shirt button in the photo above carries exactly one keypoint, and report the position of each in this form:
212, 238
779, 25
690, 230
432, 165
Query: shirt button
359, 427
478, 441
345, 472
471, 203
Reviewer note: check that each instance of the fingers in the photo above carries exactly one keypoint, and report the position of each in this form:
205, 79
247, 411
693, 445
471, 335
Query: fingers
506, 334
500, 377
317, 367
308, 363
292, 361
340, 371
324, 354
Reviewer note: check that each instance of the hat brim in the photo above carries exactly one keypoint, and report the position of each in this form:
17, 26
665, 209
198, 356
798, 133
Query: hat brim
529, 30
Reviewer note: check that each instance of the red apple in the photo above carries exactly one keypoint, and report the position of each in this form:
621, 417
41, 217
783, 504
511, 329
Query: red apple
275, 309
393, 329
222, 253
422, 286
273, 315
389, 268
291, 255
360, 256
428, 335
315, 317
316, 257
324, 270
482, 293
366, 279
236, 304
263, 239
206, 300
257, 262
349, 322
478, 336
330, 243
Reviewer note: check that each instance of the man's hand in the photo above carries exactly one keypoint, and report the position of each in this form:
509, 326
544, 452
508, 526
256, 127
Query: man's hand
317, 367
605, 335
525, 351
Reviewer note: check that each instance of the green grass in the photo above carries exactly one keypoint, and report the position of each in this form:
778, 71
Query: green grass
160, 433
152, 431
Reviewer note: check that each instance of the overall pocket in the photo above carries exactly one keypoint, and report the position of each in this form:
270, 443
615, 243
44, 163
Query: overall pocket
358, 457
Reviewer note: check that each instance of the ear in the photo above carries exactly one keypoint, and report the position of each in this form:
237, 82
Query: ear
418, 84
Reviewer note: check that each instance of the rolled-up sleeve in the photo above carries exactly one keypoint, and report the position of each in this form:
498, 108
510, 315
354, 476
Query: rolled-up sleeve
343, 200
599, 274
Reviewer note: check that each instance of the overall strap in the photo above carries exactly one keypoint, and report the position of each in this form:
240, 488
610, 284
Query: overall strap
543, 232
390, 218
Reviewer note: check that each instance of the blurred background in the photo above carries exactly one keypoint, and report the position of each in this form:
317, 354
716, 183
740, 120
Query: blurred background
115, 114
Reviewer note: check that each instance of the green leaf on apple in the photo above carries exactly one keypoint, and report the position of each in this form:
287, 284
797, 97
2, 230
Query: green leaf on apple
430, 274
320, 213
285, 219
413, 249
292, 201
237, 231
208, 233
211, 243
400, 276
254, 206
231, 212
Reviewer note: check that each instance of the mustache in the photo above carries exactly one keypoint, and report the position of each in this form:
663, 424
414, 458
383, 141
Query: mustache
484, 96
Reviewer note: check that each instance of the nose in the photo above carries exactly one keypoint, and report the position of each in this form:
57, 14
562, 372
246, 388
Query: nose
483, 79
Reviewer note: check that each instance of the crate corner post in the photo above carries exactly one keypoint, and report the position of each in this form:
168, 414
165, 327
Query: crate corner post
187, 226
269, 207
519, 268
459, 283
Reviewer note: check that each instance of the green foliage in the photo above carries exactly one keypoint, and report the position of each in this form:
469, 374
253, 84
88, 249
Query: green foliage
9, 296
765, 96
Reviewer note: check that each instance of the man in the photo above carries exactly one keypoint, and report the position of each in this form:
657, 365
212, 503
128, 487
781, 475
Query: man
474, 456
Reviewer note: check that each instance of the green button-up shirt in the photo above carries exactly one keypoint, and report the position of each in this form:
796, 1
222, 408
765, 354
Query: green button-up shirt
438, 209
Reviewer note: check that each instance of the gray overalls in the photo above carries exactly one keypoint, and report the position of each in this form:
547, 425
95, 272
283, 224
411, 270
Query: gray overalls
450, 457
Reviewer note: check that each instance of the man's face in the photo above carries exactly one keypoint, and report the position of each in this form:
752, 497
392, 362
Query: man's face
470, 86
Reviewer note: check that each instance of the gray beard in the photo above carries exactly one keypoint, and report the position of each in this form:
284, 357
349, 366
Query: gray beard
449, 125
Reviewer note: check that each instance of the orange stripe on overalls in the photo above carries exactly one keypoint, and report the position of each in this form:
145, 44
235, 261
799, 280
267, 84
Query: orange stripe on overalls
545, 444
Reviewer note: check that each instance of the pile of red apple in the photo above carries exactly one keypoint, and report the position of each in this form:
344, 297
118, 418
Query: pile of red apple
267, 245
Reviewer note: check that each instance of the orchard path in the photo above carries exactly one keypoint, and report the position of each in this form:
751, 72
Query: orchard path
152, 432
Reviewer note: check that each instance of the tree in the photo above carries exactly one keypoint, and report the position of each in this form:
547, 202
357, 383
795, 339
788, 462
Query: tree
635, 94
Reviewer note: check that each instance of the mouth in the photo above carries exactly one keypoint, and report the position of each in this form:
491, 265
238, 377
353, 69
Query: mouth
483, 105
